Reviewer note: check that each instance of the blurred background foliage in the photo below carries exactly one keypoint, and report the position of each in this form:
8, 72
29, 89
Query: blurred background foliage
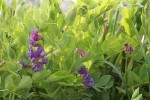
100, 27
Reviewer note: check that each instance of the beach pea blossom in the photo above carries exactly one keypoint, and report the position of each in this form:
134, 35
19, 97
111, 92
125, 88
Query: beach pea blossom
33, 43
34, 35
87, 79
37, 67
89, 83
36, 52
128, 48
82, 53
37, 56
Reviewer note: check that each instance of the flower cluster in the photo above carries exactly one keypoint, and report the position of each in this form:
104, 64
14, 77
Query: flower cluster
128, 48
87, 79
82, 53
37, 55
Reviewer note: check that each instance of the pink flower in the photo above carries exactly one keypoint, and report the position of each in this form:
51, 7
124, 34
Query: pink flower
128, 48
82, 53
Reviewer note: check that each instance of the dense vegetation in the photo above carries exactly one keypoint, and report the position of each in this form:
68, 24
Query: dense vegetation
98, 50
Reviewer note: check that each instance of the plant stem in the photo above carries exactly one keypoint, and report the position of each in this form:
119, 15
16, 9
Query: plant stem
138, 85
10, 95
55, 91
13, 97
125, 82
115, 22
148, 74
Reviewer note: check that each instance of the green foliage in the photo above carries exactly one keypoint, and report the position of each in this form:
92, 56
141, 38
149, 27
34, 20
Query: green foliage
103, 81
25, 82
98, 27
136, 95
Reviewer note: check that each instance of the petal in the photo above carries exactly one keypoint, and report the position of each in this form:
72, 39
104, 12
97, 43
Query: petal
44, 60
42, 54
32, 42
34, 60
89, 83
82, 70
34, 35
37, 67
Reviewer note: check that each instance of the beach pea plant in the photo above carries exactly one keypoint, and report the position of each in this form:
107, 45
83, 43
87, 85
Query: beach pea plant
97, 50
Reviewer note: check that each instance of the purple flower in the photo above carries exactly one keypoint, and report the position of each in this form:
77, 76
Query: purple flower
87, 80
83, 72
44, 60
23, 63
34, 60
40, 52
32, 42
87, 77
34, 35
89, 83
30, 53
37, 67
36, 56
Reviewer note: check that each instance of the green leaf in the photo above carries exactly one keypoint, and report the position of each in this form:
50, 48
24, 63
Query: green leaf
11, 53
45, 5
69, 83
97, 89
138, 5
38, 76
61, 21
103, 81
28, 95
109, 84
71, 17
13, 4
11, 82
25, 83
127, 21
121, 90
59, 75
135, 93
111, 65
105, 96
28, 20
144, 72
111, 46
139, 97
82, 10
148, 58
37, 17
53, 33
67, 41
132, 78
19, 12
87, 98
